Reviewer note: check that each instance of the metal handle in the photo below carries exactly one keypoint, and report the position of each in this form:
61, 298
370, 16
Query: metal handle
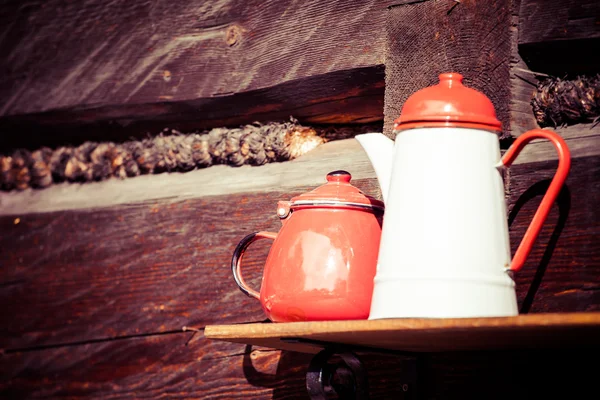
236, 260
564, 164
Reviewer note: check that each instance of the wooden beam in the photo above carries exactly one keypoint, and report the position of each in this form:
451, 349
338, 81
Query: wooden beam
175, 366
340, 97
101, 268
583, 138
61, 55
133, 59
149, 267
563, 269
558, 36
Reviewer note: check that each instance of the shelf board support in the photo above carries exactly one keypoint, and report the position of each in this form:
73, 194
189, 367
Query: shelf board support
338, 370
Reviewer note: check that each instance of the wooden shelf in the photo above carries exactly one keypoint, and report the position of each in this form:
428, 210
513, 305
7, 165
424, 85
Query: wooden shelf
422, 335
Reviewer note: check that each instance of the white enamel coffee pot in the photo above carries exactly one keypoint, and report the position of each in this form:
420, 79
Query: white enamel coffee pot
445, 250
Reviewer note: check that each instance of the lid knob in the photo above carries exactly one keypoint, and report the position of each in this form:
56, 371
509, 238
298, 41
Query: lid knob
339, 176
449, 78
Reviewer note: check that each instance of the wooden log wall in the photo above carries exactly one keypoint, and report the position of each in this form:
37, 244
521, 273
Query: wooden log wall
88, 71
95, 300
98, 281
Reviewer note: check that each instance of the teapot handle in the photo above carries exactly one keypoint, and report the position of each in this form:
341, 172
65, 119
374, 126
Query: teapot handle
236, 260
564, 164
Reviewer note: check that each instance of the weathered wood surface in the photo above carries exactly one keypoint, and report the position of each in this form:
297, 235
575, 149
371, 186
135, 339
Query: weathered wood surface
340, 97
563, 268
583, 139
170, 366
153, 367
557, 36
81, 281
205, 63
149, 267
426, 38
164, 366
100, 268
75, 284
554, 20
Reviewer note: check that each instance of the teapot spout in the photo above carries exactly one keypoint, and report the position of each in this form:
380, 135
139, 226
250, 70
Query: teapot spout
380, 150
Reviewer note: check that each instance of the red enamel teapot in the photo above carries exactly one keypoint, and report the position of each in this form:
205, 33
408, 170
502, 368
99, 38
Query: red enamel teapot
323, 260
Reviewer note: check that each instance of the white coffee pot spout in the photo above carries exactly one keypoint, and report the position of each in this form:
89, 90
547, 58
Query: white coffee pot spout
380, 150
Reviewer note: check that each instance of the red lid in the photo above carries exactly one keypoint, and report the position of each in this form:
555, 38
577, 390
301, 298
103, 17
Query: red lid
337, 192
449, 103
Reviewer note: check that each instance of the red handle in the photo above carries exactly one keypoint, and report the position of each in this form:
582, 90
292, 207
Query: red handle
236, 260
564, 164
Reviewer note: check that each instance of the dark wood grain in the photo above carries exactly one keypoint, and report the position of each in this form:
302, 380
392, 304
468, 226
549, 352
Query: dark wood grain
152, 267
159, 266
165, 366
128, 60
427, 38
75, 284
71, 276
149, 368
582, 137
341, 97
557, 36
61, 54
170, 366
564, 265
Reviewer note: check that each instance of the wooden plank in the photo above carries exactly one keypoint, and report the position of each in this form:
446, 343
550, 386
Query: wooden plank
110, 260
563, 269
566, 33
139, 52
176, 367
340, 97
83, 275
150, 58
100, 269
582, 138
426, 38
151, 367
144, 268
424, 335
554, 20
164, 366
583, 141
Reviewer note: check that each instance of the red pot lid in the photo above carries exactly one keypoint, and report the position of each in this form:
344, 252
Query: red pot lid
337, 192
449, 103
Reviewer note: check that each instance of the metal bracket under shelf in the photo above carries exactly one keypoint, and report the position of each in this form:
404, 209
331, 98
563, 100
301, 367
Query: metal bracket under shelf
337, 371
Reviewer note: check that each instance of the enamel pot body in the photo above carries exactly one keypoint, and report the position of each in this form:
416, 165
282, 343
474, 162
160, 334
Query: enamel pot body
323, 260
